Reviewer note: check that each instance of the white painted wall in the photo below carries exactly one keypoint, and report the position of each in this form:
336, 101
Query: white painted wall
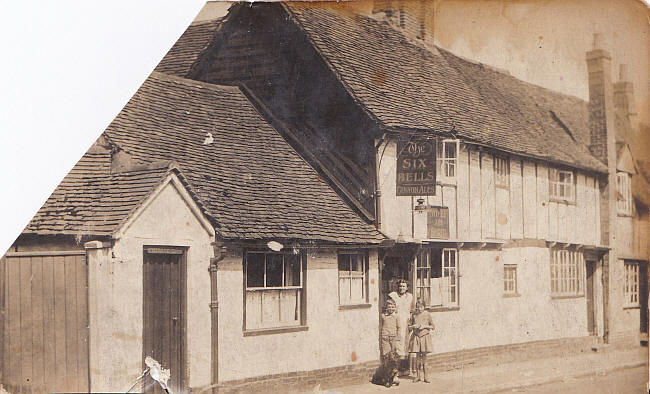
116, 293
486, 318
480, 211
332, 335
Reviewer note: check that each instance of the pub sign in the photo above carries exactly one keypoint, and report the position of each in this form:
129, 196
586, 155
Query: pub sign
416, 168
438, 223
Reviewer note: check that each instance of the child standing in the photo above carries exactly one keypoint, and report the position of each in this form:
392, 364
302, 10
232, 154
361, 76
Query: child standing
420, 342
390, 328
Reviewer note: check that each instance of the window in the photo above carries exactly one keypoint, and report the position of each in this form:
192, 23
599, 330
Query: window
501, 172
561, 184
437, 277
567, 271
631, 284
274, 289
510, 279
353, 278
624, 190
449, 158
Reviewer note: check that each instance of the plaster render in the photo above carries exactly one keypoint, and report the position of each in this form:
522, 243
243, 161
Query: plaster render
532, 316
334, 337
116, 293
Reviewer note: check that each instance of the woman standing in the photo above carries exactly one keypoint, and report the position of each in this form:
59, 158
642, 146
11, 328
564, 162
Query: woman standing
404, 304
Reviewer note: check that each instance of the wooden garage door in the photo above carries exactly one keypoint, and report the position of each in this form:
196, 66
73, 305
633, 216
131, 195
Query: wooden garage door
45, 327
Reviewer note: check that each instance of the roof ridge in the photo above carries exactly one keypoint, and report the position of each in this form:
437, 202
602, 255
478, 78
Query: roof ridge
207, 21
194, 83
505, 73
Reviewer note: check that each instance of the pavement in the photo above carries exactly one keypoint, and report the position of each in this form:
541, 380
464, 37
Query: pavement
515, 375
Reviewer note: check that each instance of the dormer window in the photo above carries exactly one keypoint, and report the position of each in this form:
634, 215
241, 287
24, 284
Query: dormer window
449, 159
561, 185
624, 193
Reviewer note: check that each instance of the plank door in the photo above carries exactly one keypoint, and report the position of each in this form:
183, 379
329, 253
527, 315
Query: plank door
45, 327
164, 320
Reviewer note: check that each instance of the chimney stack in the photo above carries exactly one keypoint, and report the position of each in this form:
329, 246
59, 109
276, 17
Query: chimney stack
601, 103
413, 17
624, 103
603, 147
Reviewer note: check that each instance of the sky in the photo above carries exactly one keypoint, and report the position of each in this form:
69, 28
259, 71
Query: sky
67, 68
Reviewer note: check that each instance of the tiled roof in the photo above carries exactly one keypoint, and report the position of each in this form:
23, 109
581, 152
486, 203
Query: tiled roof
251, 182
182, 55
408, 86
90, 200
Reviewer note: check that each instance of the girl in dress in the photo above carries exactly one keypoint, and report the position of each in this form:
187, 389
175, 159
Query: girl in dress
420, 343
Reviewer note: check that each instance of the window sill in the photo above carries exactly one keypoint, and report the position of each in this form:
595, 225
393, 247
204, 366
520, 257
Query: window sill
354, 306
562, 201
632, 307
625, 215
504, 187
566, 297
511, 295
447, 181
277, 330
443, 308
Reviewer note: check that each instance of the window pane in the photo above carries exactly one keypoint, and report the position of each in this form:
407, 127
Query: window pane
356, 289
253, 309
344, 263
255, 270
436, 262
289, 305
270, 306
274, 270
344, 290
292, 270
356, 265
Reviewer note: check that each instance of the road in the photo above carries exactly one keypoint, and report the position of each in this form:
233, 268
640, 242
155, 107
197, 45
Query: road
626, 381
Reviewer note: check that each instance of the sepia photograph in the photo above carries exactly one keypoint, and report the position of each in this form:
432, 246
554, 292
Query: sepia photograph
409, 196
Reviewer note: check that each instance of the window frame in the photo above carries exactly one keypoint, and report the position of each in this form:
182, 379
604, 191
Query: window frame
567, 273
364, 256
449, 164
624, 202
506, 290
425, 255
501, 180
554, 185
631, 289
300, 325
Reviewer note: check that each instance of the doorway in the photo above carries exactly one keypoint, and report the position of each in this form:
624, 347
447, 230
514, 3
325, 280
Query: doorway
643, 301
591, 297
164, 314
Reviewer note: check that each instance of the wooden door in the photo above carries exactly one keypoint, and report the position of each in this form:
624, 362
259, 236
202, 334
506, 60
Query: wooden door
45, 324
164, 314
643, 300
591, 310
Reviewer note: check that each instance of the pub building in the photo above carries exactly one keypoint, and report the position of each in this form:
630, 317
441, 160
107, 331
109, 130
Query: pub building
299, 160
500, 195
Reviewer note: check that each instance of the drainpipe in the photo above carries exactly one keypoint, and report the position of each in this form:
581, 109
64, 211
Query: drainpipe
378, 158
219, 254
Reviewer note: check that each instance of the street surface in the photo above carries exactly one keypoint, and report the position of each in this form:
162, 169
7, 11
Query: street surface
626, 381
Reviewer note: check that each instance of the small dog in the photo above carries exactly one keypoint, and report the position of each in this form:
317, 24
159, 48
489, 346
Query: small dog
386, 373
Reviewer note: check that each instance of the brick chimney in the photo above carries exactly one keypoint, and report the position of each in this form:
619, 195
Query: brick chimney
624, 104
603, 147
601, 103
413, 17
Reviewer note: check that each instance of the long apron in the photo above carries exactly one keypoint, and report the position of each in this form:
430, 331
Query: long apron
403, 306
